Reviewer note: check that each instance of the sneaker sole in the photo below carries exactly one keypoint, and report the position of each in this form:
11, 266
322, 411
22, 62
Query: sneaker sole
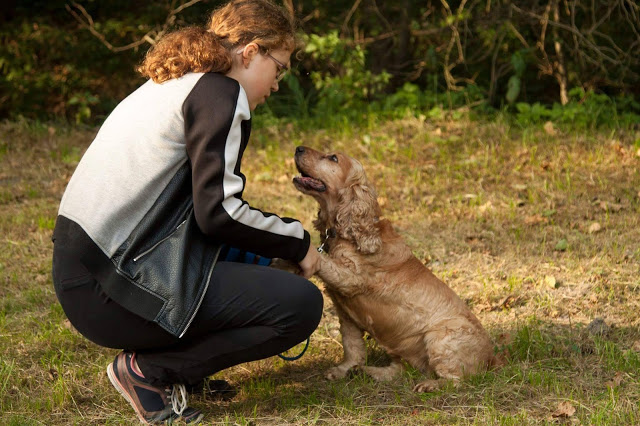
116, 384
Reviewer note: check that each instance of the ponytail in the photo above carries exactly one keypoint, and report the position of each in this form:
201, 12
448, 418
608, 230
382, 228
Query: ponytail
191, 49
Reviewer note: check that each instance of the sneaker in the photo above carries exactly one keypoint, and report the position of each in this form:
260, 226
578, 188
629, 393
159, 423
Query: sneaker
179, 407
152, 404
189, 416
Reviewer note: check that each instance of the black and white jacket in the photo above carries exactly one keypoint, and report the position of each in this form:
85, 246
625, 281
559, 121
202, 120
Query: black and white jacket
160, 189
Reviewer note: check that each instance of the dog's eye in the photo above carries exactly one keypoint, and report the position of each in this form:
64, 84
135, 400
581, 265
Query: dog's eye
333, 158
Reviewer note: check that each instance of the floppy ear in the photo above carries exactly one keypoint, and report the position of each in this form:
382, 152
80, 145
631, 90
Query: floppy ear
358, 211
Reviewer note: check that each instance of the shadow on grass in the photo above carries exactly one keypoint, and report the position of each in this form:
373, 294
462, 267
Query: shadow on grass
546, 364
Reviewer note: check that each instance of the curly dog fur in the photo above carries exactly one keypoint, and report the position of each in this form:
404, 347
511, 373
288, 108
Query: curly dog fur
378, 285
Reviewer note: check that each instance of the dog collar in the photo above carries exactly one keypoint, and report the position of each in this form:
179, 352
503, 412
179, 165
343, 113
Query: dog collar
328, 233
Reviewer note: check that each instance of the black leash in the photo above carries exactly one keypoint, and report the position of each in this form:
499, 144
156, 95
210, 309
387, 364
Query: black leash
293, 358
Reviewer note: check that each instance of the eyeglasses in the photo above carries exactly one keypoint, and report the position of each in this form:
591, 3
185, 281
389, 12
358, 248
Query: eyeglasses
282, 68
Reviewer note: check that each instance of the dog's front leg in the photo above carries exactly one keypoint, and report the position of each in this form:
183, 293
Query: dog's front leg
352, 344
343, 278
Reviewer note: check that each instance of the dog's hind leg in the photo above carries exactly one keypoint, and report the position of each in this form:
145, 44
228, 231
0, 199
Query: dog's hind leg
352, 344
446, 358
447, 372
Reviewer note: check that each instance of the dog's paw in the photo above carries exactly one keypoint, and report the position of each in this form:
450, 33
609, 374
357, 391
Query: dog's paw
427, 386
335, 373
355, 371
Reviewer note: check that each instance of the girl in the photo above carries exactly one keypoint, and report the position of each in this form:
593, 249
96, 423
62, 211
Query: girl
137, 261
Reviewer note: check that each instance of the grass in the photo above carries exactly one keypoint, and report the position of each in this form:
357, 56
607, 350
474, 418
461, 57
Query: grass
505, 215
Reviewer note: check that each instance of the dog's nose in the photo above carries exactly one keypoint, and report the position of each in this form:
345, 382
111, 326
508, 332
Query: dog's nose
300, 150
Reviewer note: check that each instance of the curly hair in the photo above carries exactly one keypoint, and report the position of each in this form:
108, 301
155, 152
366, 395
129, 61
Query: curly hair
210, 49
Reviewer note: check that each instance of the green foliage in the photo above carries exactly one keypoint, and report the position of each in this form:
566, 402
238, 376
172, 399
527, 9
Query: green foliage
42, 76
363, 59
515, 81
345, 83
585, 110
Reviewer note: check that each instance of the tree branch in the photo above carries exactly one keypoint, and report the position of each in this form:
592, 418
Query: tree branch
353, 9
85, 20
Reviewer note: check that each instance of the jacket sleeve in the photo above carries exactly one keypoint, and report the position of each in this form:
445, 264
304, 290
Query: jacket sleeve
217, 122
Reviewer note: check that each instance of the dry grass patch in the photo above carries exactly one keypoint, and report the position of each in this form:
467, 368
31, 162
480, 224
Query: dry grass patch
538, 233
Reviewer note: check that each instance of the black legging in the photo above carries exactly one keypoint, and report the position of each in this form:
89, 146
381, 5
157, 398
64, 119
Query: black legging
250, 312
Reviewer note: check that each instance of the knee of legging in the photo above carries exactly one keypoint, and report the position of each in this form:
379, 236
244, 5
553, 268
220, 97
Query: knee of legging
306, 306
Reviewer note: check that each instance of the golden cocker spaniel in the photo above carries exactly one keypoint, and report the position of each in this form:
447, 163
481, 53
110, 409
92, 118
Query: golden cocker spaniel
378, 285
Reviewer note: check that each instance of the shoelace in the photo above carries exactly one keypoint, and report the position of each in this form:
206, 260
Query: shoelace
178, 399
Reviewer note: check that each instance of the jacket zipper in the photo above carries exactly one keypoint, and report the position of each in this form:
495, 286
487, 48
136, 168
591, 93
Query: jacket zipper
153, 247
204, 293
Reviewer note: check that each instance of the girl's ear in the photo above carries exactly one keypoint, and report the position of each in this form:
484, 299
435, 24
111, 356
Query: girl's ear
357, 214
248, 52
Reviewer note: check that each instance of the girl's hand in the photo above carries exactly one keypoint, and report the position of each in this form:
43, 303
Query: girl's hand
311, 262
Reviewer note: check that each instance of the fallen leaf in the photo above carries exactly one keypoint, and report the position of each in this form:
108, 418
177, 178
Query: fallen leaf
551, 282
565, 409
486, 206
549, 129
612, 207
483, 307
595, 227
562, 245
616, 381
617, 146
67, 324
53, 374
506, 303
535, 220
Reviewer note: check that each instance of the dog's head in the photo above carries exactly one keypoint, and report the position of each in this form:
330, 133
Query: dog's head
347, 201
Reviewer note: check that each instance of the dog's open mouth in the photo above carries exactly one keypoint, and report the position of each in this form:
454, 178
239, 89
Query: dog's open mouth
304, 181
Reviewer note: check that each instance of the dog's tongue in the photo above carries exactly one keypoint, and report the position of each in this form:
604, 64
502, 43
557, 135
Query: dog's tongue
311, 183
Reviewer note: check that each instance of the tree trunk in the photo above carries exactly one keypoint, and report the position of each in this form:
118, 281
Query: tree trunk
560, 70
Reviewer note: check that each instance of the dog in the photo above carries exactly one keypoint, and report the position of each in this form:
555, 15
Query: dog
378, 285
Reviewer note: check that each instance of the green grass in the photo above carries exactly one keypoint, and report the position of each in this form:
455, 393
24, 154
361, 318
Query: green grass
483, 204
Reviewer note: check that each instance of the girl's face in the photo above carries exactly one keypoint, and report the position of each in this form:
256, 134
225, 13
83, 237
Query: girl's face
258, 72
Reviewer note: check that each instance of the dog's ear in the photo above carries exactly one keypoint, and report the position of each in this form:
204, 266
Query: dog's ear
358, 212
